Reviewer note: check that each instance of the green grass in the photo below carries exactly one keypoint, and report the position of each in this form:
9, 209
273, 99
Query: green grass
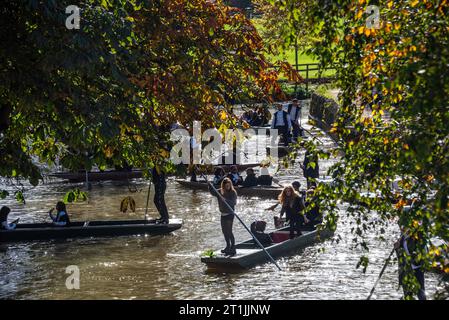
289, 56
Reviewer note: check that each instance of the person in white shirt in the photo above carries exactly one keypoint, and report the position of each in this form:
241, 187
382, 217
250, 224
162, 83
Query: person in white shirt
282, 122
4, 211
294, 110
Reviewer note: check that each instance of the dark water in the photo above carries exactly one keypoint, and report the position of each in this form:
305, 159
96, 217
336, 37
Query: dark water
169, 267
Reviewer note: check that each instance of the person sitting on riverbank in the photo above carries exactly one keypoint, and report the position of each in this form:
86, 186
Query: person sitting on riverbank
234, 176
227, 200
219, 175
293, 206
250, 179
62, 218
264, 179
4, 225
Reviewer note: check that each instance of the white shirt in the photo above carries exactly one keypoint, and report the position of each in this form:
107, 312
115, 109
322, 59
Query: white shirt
279, 120
293, 111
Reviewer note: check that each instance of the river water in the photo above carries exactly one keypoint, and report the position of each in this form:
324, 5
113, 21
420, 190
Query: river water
169, 267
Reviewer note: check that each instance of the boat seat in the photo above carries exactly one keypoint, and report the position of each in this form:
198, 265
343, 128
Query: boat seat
280, 236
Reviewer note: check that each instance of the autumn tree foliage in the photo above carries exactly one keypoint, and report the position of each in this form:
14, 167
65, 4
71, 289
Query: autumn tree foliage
284, 24
397, 75
106, 93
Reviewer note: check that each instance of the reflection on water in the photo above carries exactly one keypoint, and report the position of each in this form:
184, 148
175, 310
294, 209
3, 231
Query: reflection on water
169, 267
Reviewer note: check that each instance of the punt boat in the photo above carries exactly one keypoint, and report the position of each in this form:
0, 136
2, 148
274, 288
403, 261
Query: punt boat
115, 175
250, 254
271, 192
281, 150
47, 231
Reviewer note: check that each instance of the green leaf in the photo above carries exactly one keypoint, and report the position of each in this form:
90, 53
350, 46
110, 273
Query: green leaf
3, 194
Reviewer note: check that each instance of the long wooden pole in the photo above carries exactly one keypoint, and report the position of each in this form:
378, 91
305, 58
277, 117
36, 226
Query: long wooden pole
247, 229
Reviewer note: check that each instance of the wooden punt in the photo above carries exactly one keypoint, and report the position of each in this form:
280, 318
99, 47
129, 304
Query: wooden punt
250, 254
257, 191
125, 175
98, 175
279, 150
46, 231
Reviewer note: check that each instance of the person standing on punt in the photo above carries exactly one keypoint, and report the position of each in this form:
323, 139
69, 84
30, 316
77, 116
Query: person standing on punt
4, 225
62, 217
229, 194
160, 185
293, 206
408, 248
311, 171
294, 110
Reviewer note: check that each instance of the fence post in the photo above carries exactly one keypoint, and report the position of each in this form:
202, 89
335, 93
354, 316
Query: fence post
296, 64
307, 77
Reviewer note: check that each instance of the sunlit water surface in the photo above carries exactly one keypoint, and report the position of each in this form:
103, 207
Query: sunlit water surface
169, 267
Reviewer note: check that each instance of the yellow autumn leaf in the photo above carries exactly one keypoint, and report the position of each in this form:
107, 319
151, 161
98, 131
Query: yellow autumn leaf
138, 137
223, 115
108, 152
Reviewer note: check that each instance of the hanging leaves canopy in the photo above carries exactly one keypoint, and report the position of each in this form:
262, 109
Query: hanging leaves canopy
394, 112
106, 94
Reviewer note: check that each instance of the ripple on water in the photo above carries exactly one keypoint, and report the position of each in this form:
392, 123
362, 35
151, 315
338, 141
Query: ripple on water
169, 267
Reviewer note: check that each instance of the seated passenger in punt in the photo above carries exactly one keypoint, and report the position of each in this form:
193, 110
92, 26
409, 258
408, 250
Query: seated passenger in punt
62, 217
4, 212
264, 179
250, 179
219, 175
258, 229
234, 176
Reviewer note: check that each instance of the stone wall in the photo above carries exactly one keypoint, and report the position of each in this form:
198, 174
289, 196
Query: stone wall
323, 111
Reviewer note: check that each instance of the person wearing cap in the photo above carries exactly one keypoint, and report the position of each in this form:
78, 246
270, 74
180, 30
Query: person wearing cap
282, 122
294, 110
